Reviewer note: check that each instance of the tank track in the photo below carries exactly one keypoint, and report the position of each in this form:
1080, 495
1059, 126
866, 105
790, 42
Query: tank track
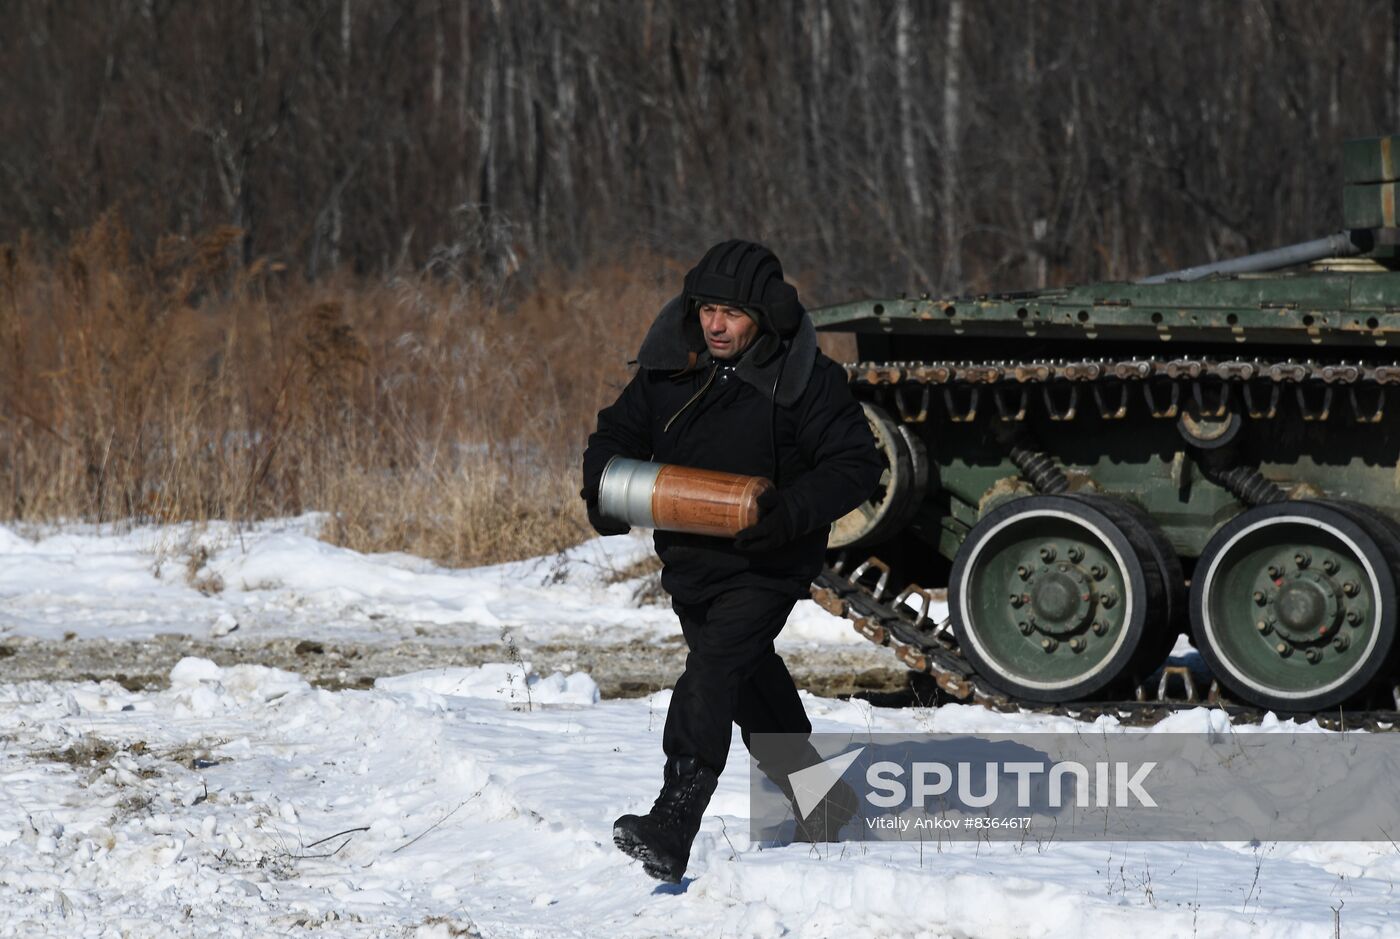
881, 612
884, 616
1208, 387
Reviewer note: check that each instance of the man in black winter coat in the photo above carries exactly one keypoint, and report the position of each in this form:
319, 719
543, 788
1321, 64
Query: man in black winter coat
731, 379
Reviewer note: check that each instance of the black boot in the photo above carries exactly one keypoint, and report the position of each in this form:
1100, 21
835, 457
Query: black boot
661, 839
829, 816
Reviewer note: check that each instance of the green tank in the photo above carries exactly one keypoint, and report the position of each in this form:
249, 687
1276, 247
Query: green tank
1092, 471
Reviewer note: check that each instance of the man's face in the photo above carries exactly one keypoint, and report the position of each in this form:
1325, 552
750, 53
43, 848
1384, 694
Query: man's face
728, 330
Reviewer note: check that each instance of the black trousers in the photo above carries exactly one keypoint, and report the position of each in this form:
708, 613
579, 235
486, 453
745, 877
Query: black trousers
732, 675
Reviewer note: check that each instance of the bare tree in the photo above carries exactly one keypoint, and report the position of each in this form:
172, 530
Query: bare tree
952, 120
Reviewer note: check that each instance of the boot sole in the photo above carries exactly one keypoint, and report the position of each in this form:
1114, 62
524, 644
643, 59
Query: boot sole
653, 864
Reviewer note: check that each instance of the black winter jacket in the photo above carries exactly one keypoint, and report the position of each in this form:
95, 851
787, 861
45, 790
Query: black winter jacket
709, 417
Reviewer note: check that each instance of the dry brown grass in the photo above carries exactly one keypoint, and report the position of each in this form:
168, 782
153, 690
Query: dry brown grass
418, 415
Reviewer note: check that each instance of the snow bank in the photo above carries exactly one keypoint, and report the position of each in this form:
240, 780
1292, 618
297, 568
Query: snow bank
276, 579
237, 684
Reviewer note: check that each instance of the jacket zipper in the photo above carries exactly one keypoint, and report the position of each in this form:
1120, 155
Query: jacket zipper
693, 398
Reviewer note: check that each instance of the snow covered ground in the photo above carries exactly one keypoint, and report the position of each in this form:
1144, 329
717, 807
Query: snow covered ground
277, 578
242, 801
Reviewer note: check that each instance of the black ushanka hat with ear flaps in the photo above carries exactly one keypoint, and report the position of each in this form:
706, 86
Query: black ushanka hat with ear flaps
747, 275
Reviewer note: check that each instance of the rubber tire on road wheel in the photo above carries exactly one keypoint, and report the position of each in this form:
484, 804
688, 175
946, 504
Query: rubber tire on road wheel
1175, 622
1118, 530
887, 512
1378, 540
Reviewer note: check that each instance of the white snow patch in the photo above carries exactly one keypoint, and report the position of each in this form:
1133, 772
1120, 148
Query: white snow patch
497, 681
278, 580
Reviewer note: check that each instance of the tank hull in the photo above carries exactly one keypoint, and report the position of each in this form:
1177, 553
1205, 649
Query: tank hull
1193, 405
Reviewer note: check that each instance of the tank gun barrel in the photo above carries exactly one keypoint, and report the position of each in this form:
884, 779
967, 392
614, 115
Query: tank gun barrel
1341, 244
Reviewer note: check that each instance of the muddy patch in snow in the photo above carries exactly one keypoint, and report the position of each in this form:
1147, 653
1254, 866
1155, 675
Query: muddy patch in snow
622, 670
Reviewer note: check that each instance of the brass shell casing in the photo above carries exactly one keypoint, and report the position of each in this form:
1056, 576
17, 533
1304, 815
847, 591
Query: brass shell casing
679, 498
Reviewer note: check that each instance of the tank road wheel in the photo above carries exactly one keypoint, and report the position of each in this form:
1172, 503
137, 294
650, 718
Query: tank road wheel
1058, 598
1174, 616
1293, 605
901, 486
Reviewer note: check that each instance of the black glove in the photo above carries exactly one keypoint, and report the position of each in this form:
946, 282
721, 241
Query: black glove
602, 525
773, 529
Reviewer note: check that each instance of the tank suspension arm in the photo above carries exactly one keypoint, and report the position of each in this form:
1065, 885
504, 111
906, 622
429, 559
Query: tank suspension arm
1243, 482
1341, 244
1036, 465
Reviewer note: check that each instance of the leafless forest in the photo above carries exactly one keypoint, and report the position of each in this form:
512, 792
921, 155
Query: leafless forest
384, 258
881, 146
